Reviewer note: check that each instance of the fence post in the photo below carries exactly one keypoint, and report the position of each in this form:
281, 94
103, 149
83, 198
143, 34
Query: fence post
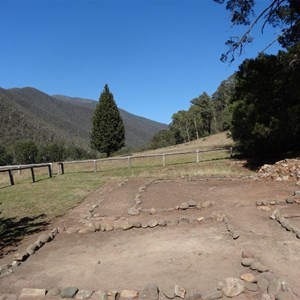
164, 159
50, 170
197, 153
95, 166
61, 169
11, 177
129, 162
32, 174
19, 170
231, 152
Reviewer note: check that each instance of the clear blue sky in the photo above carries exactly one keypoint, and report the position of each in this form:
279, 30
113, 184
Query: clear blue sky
155, 55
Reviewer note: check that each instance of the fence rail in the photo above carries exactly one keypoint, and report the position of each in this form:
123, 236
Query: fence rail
130, 158
9, 170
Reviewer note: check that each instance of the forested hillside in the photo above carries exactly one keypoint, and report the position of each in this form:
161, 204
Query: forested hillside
29, 114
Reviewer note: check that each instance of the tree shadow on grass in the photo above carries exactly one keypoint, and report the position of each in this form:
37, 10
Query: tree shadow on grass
13, 231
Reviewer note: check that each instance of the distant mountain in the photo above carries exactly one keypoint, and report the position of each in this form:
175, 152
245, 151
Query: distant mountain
27, 113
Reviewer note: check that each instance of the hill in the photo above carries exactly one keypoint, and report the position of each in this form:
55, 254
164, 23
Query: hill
27, 113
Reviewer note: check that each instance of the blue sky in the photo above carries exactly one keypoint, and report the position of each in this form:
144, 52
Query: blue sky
155, 55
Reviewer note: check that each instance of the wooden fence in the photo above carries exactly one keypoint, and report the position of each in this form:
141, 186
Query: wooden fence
10, 169
61, 169
94, 162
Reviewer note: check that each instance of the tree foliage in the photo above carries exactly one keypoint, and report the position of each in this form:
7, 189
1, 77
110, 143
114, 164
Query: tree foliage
284, 14
5, 157
266, 103
108, 132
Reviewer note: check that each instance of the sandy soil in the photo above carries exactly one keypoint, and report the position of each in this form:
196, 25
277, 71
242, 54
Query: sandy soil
195, 255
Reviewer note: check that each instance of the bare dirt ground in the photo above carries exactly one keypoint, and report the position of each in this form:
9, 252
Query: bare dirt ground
195, 254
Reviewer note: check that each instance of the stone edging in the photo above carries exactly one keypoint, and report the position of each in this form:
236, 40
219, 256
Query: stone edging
30, 250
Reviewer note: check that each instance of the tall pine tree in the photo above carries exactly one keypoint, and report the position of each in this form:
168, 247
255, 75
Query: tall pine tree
108, 131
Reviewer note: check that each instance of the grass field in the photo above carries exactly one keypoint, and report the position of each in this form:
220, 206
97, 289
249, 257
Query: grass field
27, 207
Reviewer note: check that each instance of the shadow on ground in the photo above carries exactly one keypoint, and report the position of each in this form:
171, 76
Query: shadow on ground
13, 231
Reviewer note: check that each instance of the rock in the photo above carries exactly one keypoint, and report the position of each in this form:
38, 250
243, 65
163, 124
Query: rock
248, 277
265, 202
113, 295
247, 254
247, 262
5, 270
262, 268
168, 292
21, 257
207, 203
250, 286
84, 294
289, 200
192, 203
38, 244
109, 227
213, 295
152, 223
265, 296
152, 211
179, 291
68, 292
233, 287
54, 291
255, 265
274, 287
162, 223
72, 230
273, 202
235, 234
285, 296
133, 211
32, 293
15, 264
262, 283
137, 224
259, 203
285, 287
275, 215
44, 238
184, 205
199, 205
83, 231
127, 225
200, 219
264, 208
31, 249
91, 227
296, 193
142, 189
99, 295
194, 295
150, 292
172, 222
129, 294
97, 226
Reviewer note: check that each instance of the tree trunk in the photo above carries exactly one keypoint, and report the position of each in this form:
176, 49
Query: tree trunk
195, 123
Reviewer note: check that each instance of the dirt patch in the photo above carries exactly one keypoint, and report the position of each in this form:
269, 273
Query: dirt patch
196, 255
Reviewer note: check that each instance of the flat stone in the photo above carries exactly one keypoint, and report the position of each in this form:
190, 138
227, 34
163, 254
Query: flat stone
152, 223
250, 286
84, 294
32, 293
162, 223
72, 230
192, 203
233, 287
109, 227
113, 295
8, 297
150, 292
21, 256
296, 193
68, 292
230, 227
255, 265
168, 292
262, 268
273, 202
207, 203
44, 238
137, 224
184, 205
247, 262
194, 295
38, 244
127, 225
289, 200
54, 291
99, 295
179, 291
152, 211
274, 287
262, 283
129, 294
213, 295
259, 203
31, 249
285, 296
235, 234
248, 277
133, 211
15, 264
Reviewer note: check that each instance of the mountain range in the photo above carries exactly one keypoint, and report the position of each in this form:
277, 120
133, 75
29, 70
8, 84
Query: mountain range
29, 114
